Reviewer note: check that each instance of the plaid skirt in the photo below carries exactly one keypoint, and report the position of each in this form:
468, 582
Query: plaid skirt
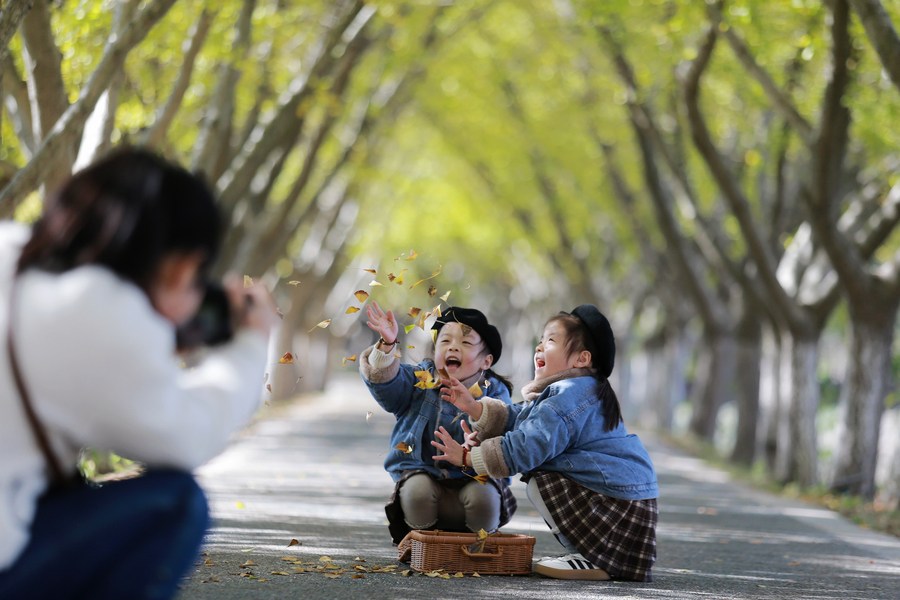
618, 536
397, 524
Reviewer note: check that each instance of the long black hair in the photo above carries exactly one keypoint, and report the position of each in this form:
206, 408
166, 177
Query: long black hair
577, 339
125, 212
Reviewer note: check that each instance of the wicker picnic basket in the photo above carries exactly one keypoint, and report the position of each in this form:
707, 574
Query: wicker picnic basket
454, 552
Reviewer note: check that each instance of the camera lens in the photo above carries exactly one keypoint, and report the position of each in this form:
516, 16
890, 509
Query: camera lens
211, 324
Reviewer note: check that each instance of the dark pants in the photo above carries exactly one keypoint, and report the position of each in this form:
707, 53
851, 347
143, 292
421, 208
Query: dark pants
127, 539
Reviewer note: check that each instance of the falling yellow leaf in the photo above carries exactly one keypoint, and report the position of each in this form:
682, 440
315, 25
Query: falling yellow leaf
404, 447
414, 311
445, 296
248, 281
432, 291
426, 380
434, 274
372, 271
321, 325
346, 359
351, 309
361, 295
240, 504
408, 328
373, 283
294, 282
286, 358
293, 542
413, 255
475, 390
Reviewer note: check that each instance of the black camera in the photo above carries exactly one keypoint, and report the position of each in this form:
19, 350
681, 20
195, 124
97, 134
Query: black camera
213, 324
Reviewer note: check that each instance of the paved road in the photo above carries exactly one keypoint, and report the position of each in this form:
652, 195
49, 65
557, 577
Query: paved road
298, 506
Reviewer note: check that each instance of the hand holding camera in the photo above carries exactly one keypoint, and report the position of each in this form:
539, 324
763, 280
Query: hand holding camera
225, 308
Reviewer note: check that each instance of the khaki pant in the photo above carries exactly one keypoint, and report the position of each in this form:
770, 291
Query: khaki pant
451, 504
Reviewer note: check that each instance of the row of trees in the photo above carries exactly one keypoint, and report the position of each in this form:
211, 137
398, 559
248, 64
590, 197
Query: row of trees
718, 176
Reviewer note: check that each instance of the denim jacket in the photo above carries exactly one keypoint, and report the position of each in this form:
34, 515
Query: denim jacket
563, 430
419, 412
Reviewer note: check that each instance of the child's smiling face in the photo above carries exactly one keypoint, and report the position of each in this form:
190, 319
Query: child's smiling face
551, 355
461, 351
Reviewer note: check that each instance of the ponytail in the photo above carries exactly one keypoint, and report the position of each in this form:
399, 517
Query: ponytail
612, 411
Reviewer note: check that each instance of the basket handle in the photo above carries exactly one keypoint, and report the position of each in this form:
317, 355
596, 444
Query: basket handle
470, 554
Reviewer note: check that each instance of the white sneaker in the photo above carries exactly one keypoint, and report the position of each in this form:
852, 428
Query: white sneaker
570, 566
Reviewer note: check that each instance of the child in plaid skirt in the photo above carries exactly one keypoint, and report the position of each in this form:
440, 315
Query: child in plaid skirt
591, 481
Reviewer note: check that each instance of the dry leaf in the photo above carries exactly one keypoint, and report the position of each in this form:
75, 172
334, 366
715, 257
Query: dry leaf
247, 565
426, 380
414, 311
279, 573
286, 358
351, 309
404, 447
293, 542
361, 295
432, 291
294, 282
445, 296
321, 325
372, 271
373, 283
346, 359
434, 274
248, 281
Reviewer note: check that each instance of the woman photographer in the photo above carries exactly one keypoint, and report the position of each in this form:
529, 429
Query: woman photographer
90, 299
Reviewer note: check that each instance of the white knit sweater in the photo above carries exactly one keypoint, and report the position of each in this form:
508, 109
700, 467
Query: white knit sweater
99, 363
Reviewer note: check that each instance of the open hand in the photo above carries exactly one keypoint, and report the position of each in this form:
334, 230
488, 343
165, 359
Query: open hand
454, 392
382, 323
451, 450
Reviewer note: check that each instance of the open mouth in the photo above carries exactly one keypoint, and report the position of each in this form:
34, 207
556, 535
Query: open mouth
539, 363
452, 363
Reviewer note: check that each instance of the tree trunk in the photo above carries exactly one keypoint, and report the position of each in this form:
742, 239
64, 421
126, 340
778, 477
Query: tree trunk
715, 378
770, 398
866, 385
797, 452
749, 356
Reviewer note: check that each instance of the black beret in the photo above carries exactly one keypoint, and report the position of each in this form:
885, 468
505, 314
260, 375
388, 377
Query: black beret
477, 321
601, 336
